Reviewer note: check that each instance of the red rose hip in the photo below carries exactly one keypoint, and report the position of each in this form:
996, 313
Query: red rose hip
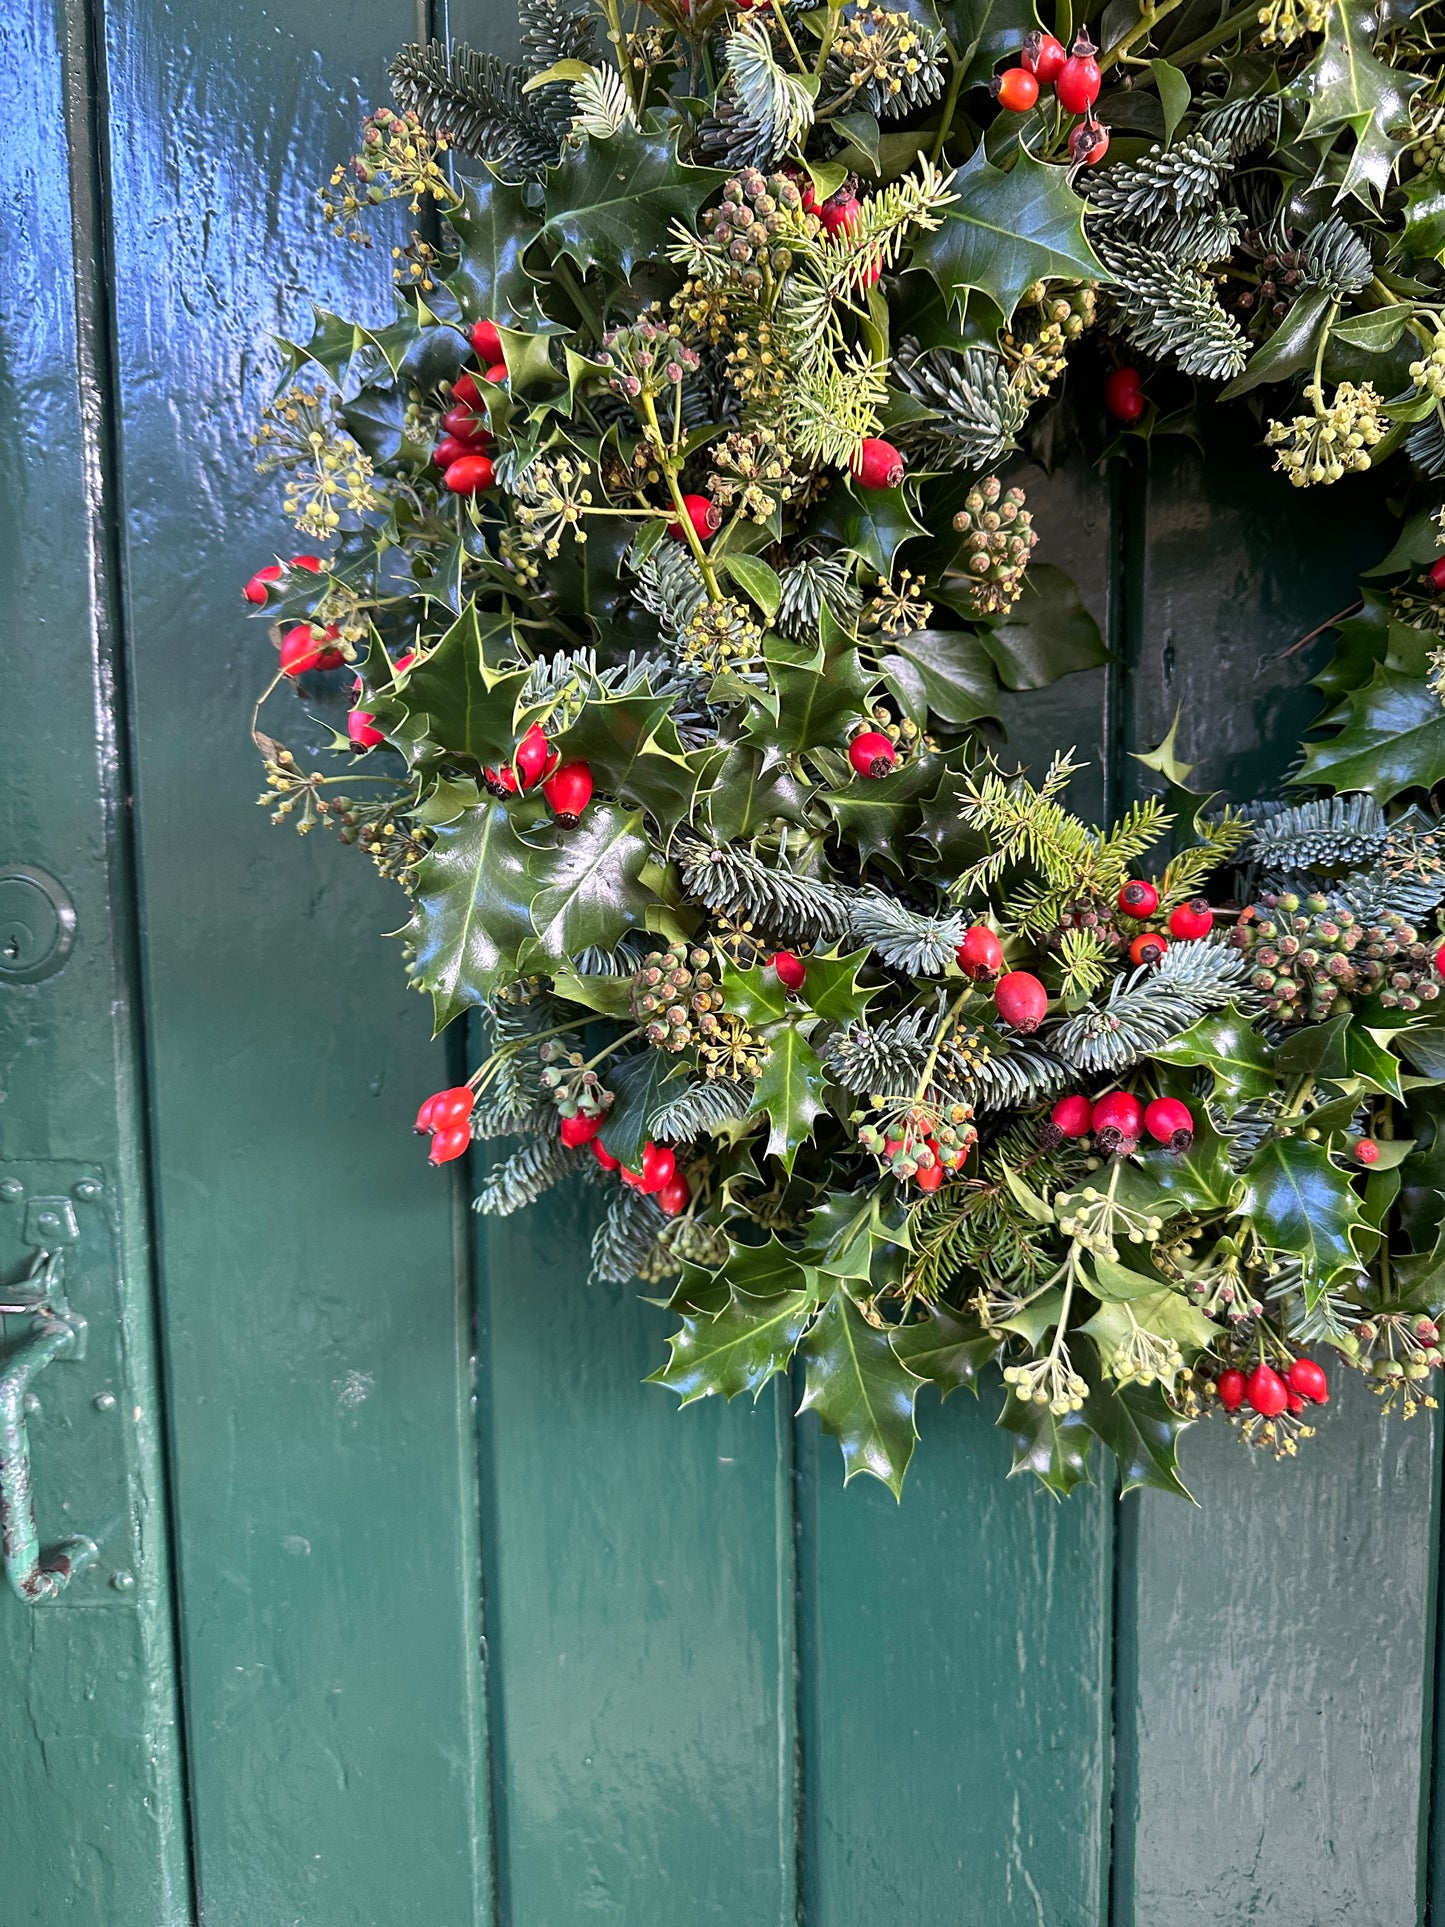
1021, 1000
568, 792
791, 971
877, 464
1169, 1122
1191, 921
1073, 1116
1231, 1389
980, 954
674, 1196
578, 1130
1138, 898
1308, 1380
1016, 90
1079, 80
1266, 1391
1123, 394
486, 342
1042, 55
470, 475
871, 754
704, 515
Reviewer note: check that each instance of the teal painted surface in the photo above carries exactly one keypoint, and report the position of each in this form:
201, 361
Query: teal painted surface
457, 1646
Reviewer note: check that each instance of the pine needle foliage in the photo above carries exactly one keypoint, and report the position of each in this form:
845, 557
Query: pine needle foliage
906, 939
476, 101
520, 1179
706, 1106
625, 1241
977, 409
766, 111
1151, 1005
1336, 259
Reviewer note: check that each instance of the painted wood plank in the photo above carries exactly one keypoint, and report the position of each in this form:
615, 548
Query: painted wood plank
90, 1769
639, 1608
318, 1313
1274, 1660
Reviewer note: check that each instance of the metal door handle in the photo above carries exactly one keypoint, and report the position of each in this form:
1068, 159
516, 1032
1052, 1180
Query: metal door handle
58, 1333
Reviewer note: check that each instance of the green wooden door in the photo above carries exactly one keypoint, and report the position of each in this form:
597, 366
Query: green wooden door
379, 1631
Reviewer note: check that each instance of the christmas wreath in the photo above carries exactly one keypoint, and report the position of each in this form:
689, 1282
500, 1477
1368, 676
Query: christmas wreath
671, 582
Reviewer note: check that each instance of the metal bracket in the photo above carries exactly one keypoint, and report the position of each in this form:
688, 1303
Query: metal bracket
59, 1333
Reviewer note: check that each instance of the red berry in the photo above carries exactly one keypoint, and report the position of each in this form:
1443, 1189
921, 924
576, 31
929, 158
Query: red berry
425, 1117
1265, 1390
877, 464
465, 392
496, 374
467, 427
1015, 90
534, 756
1021, 1000
470, 475
841, 211
1440, 957
1308, 1379
1191, 920
1366, 1151
1119, 1112
311, 562
1123, 395
604, 1157
501, 782
486, 342
450, 450
1295, 1403
1073, 1116
579, 1130
1088, 144
453, 1106
449, 1143
659, 1162
674, 1196
568, 792
791, 971
1079, 80
871, 754
1231, 1388
1169, 1122
929, 1176
705, 516
1138, 899
980, 954
362, 731
1148, 947
304, 648
1042, 55
256, 589
1436, 573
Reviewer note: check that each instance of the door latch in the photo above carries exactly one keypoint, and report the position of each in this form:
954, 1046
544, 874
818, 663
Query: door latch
57, 1333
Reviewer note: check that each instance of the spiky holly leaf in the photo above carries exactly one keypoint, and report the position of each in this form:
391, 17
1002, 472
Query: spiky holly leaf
494, 228
472, 922
1054, 1446
790, 1093
758, 995
1142, 1430
1005, 231
632, 747
1047, 634
984, 31
1199, 1179
1301, 1204
589, 887
807, 707
873, 522
747, 792
738, 1349
455, 700
609, 203
1347, 86
880, 815
862, 1392
1226, 1043
831, 989
1424, 235
1393, 741
850, 1238
948, 1350
1342, 1051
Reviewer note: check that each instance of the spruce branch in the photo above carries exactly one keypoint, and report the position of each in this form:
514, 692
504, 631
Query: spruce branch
765, 111
735, 882
1151, 1005
706, 1107
906, 939
522, 1178
625, 1240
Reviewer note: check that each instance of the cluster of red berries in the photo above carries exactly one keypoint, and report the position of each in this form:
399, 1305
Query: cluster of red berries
304, 646
566, 786
1018, 996
1269, 1394
1076, 82
1118, 1122
659, 1176
446, 1118
361, 728
1188, 922
463, 454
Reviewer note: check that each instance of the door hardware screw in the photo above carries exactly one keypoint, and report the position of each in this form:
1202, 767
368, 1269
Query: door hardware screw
122, 1581
88, 1190
11, 1190
104, 1401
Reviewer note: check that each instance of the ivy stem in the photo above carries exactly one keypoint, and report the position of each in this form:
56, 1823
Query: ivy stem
485, 1072
1148, 20
950, 100
616, 1044
669, 464
937, 1045
780, 14
572, 288
613, 11
1317, 380
835, 7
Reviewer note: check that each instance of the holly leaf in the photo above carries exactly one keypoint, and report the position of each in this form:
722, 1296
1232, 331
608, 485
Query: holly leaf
758, 995
1005, 231
1290, 348
983, 31
862, 1392
881, 813
1226, 1043
472, 921
749, 791
455, 701
632, 746
636, 1084
1424, 234
873, 523
588, 881
1300, 1203
1199, 1179
1047, 634
946, 1349
831, 989
494, 228
736, 1350
1393, 741
609, 203
790, 1093
1348, 87
846, 1234
1054, 1446
814, 706
1142, 1430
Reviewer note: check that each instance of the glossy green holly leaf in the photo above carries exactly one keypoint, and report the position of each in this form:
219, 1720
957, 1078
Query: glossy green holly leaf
790, 1093
1005, 231
589, 883
946, 672
1347, 86
1424, 233
748, 792
738, 1349
1301, 1204
947, 1350
1141, 1428
831, 989
862, 1392
1342, 1050
610, 203
1226, 1043
851, 1239
758, 995
984, 31
632, 747
1047, 634
943, 840
456, 700
472, 922
1394, 740
873, 523
636, 1083
1423, 1049
494, 228
1199, 1179
816, 708
881, 815
1054, 1446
